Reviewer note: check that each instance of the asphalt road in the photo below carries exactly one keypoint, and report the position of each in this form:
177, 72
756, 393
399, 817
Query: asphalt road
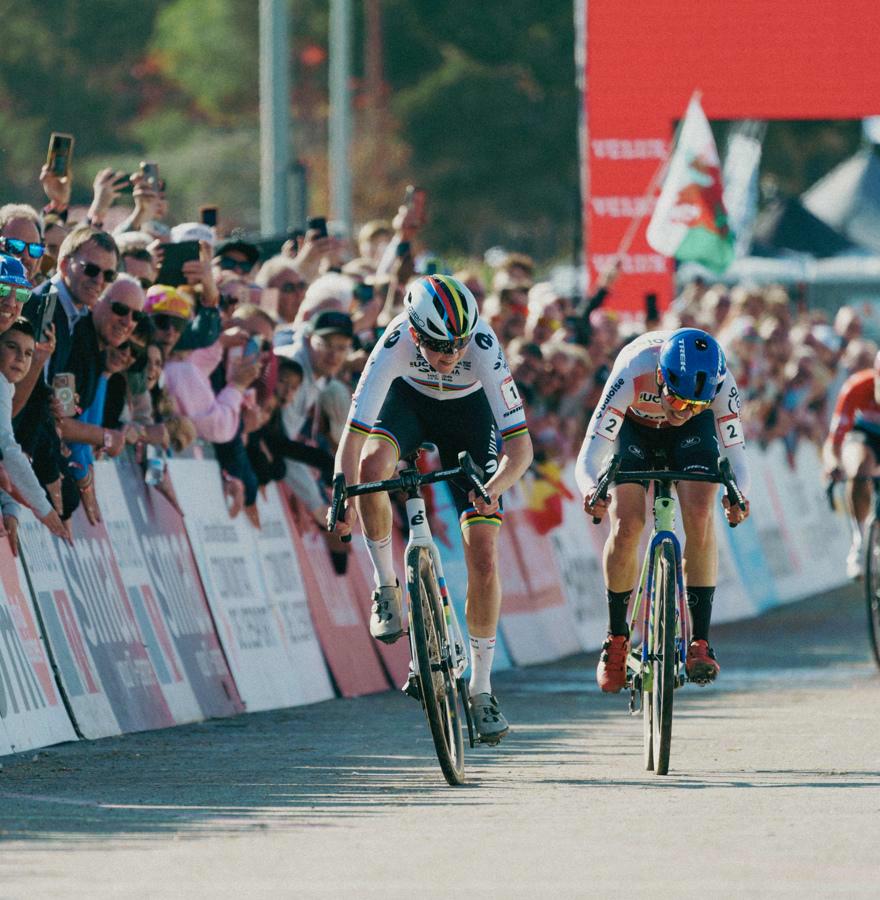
773, 791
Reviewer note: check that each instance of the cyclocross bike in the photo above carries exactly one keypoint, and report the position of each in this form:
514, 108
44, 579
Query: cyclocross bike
439, 650
871, 549
660, 614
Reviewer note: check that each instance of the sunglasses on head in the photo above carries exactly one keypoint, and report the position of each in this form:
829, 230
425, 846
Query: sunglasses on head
92, 271
17, 247
229, 264
162, 321
121, 310
446, 347
680, 404
20, 294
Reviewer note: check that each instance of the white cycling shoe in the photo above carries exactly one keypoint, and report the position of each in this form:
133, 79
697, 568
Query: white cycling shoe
386, 613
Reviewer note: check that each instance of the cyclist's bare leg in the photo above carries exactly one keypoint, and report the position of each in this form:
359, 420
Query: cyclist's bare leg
378, 459
859, 465
484, 584
627, 518
697, 502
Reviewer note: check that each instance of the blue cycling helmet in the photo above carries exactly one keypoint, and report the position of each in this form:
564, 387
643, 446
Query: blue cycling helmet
692, 365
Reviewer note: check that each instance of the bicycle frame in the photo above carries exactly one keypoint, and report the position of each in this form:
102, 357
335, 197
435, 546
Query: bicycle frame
663, 531
420, 536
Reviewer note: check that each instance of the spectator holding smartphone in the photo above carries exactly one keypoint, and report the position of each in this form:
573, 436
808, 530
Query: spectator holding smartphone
16, 355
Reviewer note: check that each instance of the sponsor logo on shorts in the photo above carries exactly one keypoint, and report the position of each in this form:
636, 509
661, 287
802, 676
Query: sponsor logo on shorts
636, 451
690, 442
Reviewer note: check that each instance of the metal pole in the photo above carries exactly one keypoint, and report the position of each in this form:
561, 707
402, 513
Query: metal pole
274, 116
340, 112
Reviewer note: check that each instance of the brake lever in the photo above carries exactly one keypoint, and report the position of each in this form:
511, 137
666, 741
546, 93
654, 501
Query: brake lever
337, 505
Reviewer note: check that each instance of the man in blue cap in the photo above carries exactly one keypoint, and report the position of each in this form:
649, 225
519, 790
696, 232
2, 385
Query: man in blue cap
15, 290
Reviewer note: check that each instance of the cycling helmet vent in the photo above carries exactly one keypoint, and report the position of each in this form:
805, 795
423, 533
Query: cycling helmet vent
692, 363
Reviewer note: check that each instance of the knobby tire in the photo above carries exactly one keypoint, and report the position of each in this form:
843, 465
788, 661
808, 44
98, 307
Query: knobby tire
440, 696
872, 586
663, 657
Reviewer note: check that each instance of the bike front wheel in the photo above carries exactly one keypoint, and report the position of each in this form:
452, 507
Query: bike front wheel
872, 585
663, 657
430, 638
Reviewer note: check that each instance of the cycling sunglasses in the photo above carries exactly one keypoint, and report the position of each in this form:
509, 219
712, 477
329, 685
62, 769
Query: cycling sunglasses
20, 294
93, 271
445, 347
17, 247
162, 321
121, 310
680, 404
229, 264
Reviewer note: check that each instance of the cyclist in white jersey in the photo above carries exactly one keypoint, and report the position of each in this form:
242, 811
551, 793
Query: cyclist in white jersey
439, 375
668, 401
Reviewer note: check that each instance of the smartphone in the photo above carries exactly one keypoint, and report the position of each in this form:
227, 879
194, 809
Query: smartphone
47, 314
208, 216
150, 171
64, 389
60, 151
123, 183
414, 199
174, 256
319, 224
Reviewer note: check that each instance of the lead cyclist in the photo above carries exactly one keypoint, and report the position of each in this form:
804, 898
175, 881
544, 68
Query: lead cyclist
439, 375
668, 400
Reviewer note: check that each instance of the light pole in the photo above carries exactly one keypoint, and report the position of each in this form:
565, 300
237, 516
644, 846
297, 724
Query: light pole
340, 112
274, 116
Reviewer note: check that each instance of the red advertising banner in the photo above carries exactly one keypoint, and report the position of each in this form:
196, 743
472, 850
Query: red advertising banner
339, 621
792, 59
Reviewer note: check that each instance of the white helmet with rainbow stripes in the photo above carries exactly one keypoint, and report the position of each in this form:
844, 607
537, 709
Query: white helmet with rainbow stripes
442, 310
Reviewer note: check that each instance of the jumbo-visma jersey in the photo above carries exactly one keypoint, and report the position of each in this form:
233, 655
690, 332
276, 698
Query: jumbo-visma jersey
482, 367
631, 392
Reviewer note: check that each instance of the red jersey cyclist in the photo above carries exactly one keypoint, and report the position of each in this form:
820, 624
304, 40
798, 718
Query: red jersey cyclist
439, 375
667, 401
852, 451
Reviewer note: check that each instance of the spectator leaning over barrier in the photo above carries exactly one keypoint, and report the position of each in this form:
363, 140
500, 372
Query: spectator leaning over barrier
109, 327
321, 351
16, 354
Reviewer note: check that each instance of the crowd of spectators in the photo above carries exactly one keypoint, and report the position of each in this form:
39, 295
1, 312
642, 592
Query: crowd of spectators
168, 337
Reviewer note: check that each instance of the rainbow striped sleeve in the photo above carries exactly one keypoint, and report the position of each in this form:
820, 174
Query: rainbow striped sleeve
514, 431
358, 427
471, 517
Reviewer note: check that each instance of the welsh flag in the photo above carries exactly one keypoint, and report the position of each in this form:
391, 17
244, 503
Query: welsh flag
689, 221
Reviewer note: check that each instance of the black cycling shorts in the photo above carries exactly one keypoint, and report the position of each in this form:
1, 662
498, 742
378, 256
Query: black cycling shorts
691, 447
408, 418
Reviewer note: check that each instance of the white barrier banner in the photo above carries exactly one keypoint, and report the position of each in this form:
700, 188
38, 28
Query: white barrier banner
225, 553
32, 713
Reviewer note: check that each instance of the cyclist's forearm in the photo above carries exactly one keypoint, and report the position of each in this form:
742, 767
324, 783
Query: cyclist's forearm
512, 465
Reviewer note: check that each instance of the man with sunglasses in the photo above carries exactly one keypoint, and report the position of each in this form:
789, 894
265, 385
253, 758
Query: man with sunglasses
235, 255
439, 374
668, 400
21, 237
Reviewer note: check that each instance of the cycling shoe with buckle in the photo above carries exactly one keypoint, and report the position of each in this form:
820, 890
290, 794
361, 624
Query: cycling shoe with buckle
701, 665
386, 613
611, 671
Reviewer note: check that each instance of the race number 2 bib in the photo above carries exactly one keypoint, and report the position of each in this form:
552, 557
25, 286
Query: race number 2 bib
610, 424
731, 430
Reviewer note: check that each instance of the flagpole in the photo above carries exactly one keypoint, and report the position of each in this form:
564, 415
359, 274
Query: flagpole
656, 178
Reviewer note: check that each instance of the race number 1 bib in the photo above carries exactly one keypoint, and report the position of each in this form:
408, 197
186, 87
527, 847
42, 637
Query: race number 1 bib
731, 430
610, 424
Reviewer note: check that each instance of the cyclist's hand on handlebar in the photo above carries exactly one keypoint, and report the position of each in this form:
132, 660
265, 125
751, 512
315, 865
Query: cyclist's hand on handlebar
480, 505
598, 509
346, 521
734, 514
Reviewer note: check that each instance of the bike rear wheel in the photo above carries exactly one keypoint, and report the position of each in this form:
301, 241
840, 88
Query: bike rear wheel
440, 696
663, 657
872, 585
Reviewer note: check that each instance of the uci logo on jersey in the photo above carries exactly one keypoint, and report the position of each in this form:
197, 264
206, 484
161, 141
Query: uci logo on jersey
646, 397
